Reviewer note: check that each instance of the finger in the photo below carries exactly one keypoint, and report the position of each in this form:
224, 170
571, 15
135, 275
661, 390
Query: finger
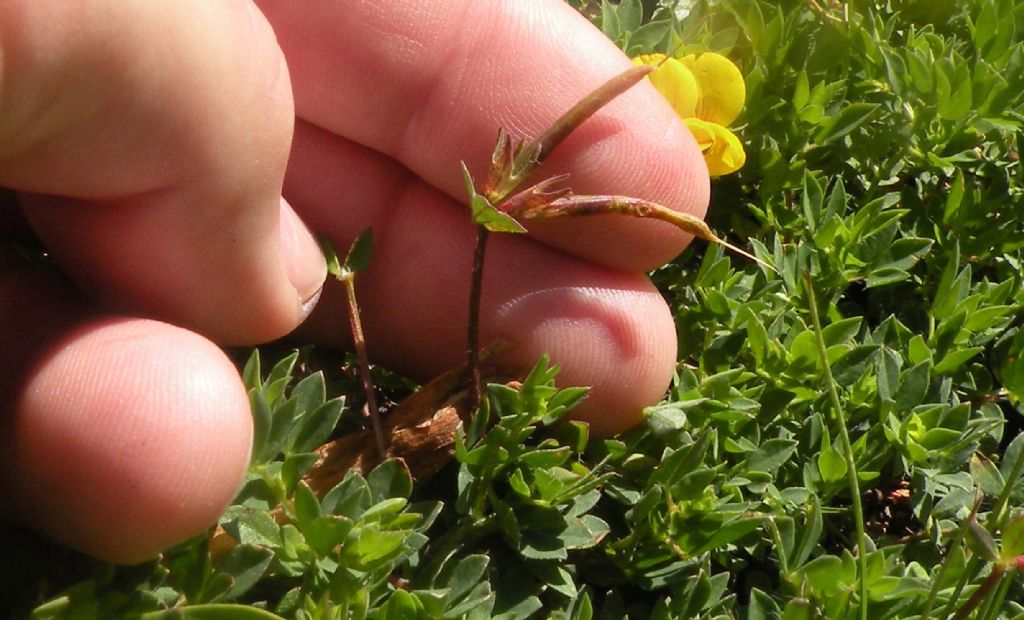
150, 139
607, 329
430, 82
119, 436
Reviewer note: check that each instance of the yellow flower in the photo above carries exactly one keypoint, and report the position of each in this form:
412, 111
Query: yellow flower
707, 91
723, 152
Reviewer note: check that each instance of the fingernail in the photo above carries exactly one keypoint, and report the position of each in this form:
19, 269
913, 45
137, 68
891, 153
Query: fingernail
305, 263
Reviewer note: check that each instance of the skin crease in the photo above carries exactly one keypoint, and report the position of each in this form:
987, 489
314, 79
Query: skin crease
151, 142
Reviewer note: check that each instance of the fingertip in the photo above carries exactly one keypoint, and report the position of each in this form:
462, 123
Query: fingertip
304, 260
130, 436
618, 342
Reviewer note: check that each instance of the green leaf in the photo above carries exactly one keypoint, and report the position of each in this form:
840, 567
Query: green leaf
1013, 540
484, 213
333, 264
955, 197
797, 609
610, 20
980, 540
372, 546
955, 359
583, 532
954, 92
731, 531
280, 375
670, 417
251, 377
823, 575
283, 417
245, 564
389, 480
851, 366
583, 609
986, 474
630, 14
762, 606
831, 464
358, 257
914, 384
251, 527
771, 455
850, 118
1014, 452
317, 427
810, 533
307, 507
985, 26
402, 605
811, 200
326, 532
464, 575
262, 418
349, 498
294, 466
1012, 367
536, 545
842, 331
213, 612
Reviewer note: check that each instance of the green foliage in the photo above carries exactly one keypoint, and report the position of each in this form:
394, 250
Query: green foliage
484, 213
883, 159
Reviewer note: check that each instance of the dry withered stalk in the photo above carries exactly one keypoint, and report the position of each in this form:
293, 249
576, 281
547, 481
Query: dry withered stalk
356, 325
571, 205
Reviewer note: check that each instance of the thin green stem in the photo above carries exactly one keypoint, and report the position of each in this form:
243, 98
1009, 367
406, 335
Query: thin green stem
970, 569
844, 437
933, 593
359, 341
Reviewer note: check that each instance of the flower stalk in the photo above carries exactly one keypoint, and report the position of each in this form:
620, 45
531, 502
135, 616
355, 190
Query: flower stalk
498, 204
357, 260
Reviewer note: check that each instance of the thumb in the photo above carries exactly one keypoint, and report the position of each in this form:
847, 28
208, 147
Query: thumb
149, 142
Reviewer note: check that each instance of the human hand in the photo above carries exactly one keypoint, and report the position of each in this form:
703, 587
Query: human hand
164, 126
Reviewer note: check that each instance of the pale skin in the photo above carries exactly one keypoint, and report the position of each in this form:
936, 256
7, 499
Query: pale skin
150, 144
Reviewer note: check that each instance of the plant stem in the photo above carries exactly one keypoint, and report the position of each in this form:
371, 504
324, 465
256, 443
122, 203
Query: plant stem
995, 600
972, 566
993, 578
473, 335
844, 436
587, 107
582, 206
359, 341
933, 592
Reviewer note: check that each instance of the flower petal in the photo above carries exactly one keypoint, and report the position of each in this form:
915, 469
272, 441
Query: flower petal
723, 152
674, 81
722, 90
